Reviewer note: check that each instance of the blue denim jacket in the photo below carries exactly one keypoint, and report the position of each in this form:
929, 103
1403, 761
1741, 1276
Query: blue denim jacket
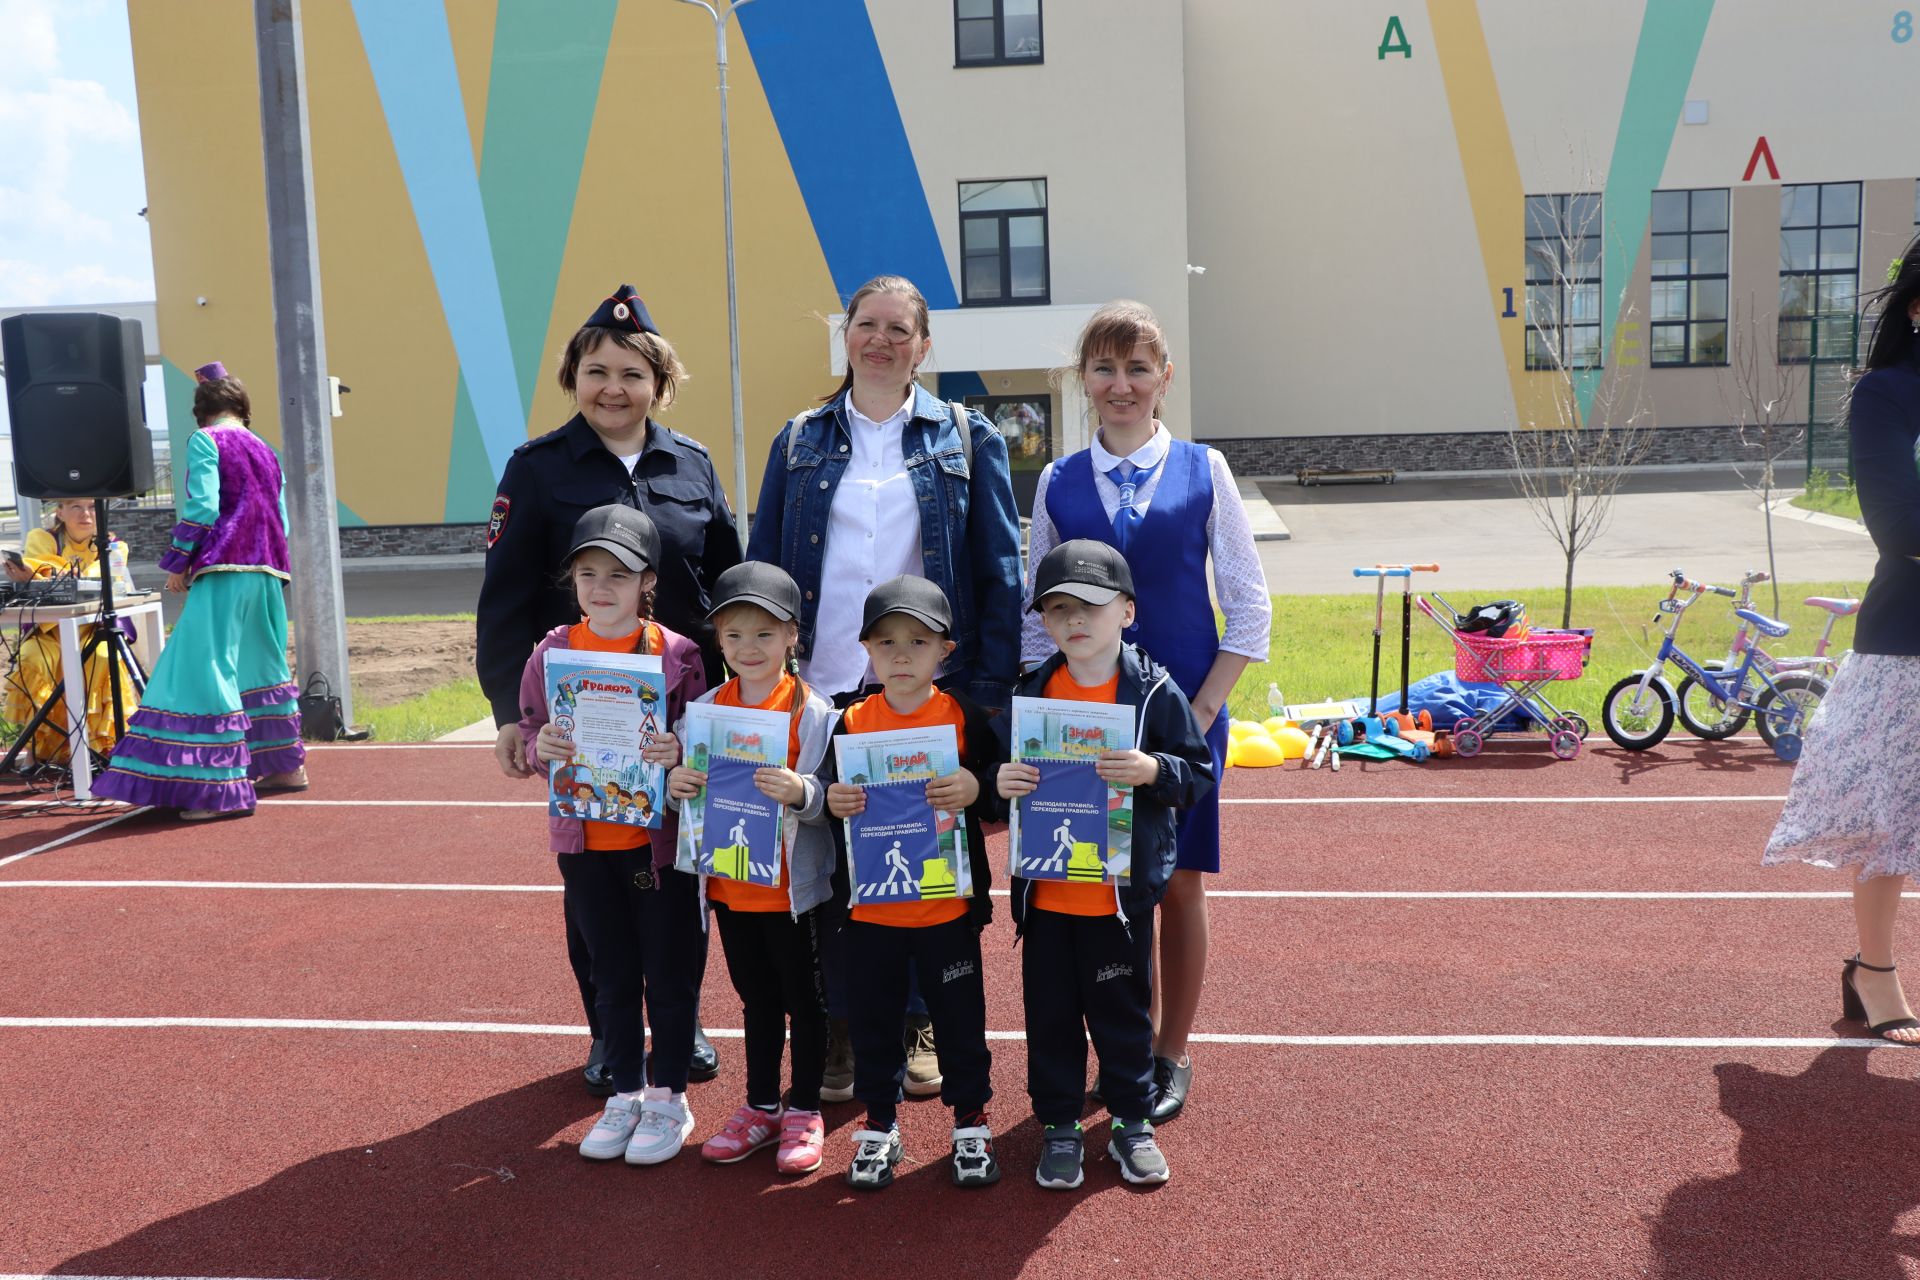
969, 530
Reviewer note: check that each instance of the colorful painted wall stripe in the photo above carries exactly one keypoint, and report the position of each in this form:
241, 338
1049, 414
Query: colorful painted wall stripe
410, 52
821, 69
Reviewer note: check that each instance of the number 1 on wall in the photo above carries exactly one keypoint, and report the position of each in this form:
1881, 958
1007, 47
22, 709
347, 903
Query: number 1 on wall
1508, 314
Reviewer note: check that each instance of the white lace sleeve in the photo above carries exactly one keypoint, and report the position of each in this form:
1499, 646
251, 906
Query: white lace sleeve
1035, 644
1238, 580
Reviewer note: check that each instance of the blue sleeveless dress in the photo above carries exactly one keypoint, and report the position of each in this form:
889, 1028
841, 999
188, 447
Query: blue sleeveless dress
1174, 621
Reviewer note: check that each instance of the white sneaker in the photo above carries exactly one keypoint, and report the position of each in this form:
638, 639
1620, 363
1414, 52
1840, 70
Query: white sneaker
610, 1134
665, 1124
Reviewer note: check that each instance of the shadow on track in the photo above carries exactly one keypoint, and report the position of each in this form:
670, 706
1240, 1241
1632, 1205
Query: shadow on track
1824, 1175
495, 1190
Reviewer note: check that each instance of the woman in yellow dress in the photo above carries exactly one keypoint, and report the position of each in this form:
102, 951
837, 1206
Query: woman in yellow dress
68, 545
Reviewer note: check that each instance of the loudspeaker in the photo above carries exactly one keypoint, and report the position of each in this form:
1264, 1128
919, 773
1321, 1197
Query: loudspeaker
74, 389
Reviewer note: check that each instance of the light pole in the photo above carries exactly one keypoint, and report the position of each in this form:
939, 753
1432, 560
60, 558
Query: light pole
720, 16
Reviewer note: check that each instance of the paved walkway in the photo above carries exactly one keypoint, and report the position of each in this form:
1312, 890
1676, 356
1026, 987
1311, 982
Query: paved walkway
1485, 537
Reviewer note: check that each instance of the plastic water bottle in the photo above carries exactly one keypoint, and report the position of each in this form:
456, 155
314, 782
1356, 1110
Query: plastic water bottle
117, 564
1276, 701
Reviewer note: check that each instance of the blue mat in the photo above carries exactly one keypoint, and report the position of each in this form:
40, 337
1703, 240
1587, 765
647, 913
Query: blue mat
1448, 699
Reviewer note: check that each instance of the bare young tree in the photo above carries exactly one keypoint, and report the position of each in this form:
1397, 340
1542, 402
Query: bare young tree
1568, 465
1765, 393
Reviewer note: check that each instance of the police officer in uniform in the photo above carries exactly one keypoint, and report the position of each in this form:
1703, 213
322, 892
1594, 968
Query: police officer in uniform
617, 368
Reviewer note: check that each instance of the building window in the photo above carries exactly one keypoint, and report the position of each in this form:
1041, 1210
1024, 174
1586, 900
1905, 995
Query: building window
1819, 271
994, 33
1003, 242
1563, 282
1690, 277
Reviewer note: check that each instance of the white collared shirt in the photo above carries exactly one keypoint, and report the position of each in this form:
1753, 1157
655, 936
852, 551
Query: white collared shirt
873, 534
1239, 583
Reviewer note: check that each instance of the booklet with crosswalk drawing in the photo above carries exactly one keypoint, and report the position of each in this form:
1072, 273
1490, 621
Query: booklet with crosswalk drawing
728, 744
1074, 826
902, 849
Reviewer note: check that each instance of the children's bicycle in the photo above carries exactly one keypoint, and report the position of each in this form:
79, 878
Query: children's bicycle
1638, 712
1712, 718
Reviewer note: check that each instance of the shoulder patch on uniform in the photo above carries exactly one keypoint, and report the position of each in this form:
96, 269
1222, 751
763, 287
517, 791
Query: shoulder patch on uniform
689, 441
498, 520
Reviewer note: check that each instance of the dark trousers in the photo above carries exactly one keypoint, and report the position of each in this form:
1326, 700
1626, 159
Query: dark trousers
644, 947
833, 963
946, 958
582, 964
774, 961
1093, 972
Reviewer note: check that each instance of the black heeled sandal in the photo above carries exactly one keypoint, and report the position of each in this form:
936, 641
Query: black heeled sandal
1853, 1008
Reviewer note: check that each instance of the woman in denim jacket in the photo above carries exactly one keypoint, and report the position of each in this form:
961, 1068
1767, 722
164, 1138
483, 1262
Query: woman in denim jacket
878, 482
874, 483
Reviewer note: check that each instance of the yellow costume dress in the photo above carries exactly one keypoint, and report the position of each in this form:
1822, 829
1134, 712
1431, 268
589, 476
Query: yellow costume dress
36, 670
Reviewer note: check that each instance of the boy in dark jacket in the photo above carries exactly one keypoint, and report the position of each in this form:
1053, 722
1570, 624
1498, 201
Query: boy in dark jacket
1089, 946
906, 630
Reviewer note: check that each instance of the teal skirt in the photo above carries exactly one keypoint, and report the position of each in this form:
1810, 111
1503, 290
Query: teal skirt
221, 710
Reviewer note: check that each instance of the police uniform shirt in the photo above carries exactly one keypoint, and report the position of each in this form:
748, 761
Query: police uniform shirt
553, 480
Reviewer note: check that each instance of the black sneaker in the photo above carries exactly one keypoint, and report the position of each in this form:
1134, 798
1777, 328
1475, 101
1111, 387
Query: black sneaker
874, 1155
1132, 1145
1059, 1168
973, 1162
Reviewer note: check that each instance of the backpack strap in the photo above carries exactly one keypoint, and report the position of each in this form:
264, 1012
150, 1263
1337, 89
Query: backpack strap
964, 425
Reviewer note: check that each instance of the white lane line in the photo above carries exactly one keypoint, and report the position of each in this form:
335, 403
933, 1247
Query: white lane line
1406, 895
1270, 800
71, 836
735, 1033
1510, 800
405, 746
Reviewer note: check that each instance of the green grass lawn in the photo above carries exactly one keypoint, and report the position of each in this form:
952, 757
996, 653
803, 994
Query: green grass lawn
431, 715
1833, 502
1322, 645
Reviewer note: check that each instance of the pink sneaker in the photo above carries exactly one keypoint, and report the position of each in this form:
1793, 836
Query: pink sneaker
745, 1132
802, 1134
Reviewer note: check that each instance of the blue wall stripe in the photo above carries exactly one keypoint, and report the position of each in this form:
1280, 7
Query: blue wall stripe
410, 52
825, 80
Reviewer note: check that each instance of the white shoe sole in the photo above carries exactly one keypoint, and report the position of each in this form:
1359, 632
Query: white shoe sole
1079, 1176
1138, 1180
758, 1147
604, 1152
836, 1095
919, 1088
660, 1155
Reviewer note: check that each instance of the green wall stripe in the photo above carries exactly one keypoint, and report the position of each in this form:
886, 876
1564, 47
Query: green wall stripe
548, 56
1671, 32
470, 479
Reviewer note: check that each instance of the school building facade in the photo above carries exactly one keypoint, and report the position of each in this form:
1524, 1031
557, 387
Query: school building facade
1366, 228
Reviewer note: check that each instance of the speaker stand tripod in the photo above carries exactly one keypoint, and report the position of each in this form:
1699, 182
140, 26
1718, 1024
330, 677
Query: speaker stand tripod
117, 652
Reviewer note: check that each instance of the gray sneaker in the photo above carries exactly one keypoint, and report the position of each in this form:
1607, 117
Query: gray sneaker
1059, 1168
1139, 1155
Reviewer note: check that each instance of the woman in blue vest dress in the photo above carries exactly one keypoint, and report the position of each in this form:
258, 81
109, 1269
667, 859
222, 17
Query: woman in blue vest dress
1855, 798
1167, 505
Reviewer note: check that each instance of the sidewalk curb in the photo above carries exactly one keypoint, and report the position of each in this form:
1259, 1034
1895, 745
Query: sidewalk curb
1783, 506
479, 731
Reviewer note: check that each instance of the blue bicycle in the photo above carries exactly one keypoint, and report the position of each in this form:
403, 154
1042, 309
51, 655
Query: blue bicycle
1638, 711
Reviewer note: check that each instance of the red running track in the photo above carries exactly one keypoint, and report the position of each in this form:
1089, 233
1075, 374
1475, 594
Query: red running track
279, 1152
